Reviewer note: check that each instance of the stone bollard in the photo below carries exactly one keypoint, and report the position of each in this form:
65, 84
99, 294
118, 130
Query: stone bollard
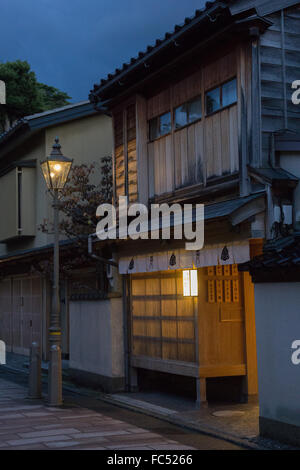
55, 377
35, 382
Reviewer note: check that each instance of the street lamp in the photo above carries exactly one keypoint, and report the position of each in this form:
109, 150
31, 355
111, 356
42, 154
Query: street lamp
55, 169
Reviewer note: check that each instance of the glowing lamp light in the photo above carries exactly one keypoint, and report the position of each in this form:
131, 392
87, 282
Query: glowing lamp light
190, 283
56, 168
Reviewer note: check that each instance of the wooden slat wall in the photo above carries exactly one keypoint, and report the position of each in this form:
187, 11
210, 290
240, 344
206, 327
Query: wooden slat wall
20, 313
119, 171
201, 150
125, 154
119, 159
5, 313
219, 71
277, 65
143, 170
221, 317
163, 321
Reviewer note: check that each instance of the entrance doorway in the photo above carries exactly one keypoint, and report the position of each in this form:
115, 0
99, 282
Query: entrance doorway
210, 338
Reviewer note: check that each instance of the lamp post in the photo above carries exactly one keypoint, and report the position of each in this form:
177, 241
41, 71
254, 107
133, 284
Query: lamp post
55, 169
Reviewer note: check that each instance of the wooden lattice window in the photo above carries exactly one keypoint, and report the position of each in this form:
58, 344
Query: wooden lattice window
223, 284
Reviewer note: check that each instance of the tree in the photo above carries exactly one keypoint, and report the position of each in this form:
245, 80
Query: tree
80, 198
24, 94
77, 206
52, 97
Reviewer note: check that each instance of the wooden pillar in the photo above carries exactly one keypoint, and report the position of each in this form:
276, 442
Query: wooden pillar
201, 392
251, 385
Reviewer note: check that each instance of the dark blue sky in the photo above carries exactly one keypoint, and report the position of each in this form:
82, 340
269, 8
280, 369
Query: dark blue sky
71, 44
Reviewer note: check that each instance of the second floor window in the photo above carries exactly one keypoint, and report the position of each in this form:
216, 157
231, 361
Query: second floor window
160, 126
220, 97
191, 111
187, 113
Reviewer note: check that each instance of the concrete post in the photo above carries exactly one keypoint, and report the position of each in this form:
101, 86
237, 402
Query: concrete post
55, 377
35, 383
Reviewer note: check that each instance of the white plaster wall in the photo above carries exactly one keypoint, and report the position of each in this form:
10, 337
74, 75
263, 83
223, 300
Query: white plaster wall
85, 140
277, 312
290, 161
96, 337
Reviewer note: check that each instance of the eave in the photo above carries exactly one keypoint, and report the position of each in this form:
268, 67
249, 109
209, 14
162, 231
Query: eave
274, 176
197, 34
30, 125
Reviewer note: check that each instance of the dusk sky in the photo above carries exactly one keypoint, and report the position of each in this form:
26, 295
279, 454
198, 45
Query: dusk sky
72, 44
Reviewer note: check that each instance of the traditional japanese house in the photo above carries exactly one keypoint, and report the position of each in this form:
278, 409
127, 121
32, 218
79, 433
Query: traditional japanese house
198, 118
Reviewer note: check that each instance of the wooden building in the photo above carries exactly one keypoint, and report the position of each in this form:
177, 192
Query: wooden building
198, 117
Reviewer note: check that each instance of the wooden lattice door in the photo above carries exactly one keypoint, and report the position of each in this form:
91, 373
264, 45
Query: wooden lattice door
221, 321
5, 313
163, 321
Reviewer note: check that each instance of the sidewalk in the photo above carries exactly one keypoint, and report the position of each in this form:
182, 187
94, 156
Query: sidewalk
30, 424
235, 423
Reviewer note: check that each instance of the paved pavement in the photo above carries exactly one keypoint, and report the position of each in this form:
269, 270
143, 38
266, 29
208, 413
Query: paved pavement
86, 423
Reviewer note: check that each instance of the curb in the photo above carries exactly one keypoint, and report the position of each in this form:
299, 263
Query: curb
181, 422
154, 411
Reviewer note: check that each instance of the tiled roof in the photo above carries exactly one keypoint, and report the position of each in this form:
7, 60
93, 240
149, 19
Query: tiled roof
20, 123
274, 174
160, 42
226, 208
280, 260
203, 23
50, 117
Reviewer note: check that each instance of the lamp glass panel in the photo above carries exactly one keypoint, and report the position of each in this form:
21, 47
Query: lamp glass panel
45, 170
194, 282
186, 283
58, 173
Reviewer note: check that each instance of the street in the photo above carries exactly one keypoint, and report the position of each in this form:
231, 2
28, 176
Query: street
86, 423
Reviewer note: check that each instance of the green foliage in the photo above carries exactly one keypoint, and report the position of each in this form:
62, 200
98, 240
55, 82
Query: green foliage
87, 187
52, 97
81, 197
24, 94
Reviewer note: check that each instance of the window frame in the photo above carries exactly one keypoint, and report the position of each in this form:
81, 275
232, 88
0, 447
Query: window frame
220, 87
189, 123
204, 113
158, 118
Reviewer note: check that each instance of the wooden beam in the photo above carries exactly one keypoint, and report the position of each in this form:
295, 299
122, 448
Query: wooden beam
248, 210
201, 392
250, 335
188, 369
256, 105
222, 370
141, 149
242, 121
